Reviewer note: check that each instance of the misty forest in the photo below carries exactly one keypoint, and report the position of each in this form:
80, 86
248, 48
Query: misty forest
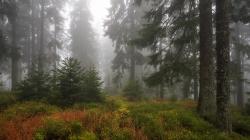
124, 69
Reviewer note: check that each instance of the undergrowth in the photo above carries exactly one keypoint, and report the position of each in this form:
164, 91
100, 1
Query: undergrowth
114, 119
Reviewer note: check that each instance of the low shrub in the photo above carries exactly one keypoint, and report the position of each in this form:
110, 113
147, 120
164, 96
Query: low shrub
62, 130
150, 126
29, 109
83, 106
7, 99
53, 130
35, 87
172, 121
20, 128
116, 134
84, 136
247, 109
241, 123
133, 91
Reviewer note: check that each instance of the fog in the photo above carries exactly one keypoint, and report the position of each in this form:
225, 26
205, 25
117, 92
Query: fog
124, 69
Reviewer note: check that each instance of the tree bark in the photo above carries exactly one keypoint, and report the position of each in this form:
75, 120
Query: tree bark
41, 49
207, 103
186, 88
223, 60
14, 53
33, 37
56, 43
132, 64
239, 64
28, 58
196, 87
162, 90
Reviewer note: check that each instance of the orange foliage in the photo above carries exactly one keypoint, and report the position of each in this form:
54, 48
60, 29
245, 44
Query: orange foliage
189, 104
69, 116
21, 129
24, 129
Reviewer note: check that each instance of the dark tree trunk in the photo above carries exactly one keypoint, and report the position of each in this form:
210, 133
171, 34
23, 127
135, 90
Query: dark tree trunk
196, 76
239, 64
207, 103
162, 84
223, 60
186, 88
196, 87
162, 90
33, 36
41, 49
28, 40
132, 64
55, 46
14, 54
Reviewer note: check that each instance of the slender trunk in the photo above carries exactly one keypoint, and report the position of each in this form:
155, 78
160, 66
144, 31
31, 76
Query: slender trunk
239, 64
162, 90
55, 46
131, 14
41, 49
186, 88
196, 76
223, 60
15, 54
33, 37
160, 68
132, 64
196, 87
28, 52
206, 105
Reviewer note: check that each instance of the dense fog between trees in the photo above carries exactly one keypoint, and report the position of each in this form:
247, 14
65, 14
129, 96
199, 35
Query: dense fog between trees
120, 53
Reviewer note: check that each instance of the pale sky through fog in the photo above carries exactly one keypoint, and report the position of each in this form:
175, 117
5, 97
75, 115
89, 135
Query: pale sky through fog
99, 10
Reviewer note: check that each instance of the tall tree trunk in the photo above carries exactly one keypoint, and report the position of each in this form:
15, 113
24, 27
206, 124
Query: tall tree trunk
239, 64
33, 36
14, 53
28, 59
162, 84
223, 60
196, 87
196, 76
207, 103
186, 88
162, 90
132, 64
41, 49
55, 46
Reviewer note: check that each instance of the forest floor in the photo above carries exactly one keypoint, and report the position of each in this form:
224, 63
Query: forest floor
115, 119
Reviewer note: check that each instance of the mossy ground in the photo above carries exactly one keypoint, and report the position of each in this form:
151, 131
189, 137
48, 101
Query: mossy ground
116, 119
